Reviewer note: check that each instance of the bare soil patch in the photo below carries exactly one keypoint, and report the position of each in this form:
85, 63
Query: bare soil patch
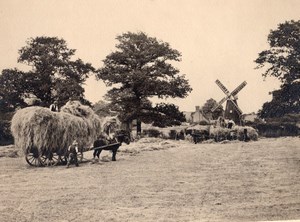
159, 180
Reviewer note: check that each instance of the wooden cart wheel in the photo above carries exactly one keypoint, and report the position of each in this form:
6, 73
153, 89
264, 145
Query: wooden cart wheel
50, 159
32, 156
63, 159
33, 159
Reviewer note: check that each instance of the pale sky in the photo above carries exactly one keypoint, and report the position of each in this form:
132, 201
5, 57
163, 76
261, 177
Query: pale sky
217, 39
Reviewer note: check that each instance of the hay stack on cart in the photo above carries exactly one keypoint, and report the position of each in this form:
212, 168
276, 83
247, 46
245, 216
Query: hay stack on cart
44, 136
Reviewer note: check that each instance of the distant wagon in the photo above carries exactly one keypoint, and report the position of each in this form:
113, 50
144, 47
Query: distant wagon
198, 132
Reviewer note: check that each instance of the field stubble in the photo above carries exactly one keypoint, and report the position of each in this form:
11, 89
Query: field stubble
159, 180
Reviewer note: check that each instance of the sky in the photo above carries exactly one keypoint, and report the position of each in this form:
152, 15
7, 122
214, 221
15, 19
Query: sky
218, 39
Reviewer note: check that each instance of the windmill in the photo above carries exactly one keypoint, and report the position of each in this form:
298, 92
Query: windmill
232, 111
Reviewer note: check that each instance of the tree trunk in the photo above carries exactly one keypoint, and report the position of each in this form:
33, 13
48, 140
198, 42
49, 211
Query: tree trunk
126, 125
138, 127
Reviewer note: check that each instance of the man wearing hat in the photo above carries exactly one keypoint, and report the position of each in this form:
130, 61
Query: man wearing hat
72, 154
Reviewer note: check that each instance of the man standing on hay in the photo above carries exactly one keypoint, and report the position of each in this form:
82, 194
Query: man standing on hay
72, 154
230, 124
54, 107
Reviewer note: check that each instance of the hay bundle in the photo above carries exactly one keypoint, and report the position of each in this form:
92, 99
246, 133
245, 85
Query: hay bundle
221, 133
39, 128
251, 132
110, 124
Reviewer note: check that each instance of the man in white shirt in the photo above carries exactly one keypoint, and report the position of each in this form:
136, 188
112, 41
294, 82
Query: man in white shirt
54, 107
72, 154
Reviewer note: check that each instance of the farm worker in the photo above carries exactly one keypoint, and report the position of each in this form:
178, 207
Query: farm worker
72, 153
246, 137
230, 124
54, 107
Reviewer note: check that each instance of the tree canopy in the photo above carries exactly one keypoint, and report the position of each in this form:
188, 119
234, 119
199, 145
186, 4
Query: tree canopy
209, 105
141, 69
13, 86
286, 100
282, 60
53, 75
102, 108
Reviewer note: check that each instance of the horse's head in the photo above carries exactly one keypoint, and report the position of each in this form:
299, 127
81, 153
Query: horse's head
123, 136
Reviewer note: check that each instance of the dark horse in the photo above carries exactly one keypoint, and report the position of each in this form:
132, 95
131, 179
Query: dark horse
111, 144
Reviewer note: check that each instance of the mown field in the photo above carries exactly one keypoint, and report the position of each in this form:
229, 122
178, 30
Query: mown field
159, 180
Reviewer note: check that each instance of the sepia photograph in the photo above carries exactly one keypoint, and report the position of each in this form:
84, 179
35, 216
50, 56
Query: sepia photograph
150, 110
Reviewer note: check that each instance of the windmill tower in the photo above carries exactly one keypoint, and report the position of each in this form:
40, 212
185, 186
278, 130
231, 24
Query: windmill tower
232, 110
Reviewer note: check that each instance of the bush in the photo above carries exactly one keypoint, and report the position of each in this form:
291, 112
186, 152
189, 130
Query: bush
277, 129
288, 118
152, 132
5, 133
172, 134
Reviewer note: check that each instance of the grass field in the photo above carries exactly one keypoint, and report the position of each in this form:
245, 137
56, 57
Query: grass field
159, 180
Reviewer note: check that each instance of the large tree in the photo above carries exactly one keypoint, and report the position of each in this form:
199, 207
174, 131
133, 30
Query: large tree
282, 60
286, 100
53, 74
13, 86
209, 105
138, 70
102, 108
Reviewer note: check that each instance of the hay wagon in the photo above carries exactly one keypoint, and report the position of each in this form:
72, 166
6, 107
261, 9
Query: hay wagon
44, 136
46, 157
34, 158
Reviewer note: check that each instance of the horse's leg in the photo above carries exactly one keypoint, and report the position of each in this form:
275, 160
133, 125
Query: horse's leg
114, 151
98, 153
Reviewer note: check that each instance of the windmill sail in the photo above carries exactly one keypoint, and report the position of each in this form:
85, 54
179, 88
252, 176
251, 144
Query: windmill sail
222, 87
239, 88
219, 104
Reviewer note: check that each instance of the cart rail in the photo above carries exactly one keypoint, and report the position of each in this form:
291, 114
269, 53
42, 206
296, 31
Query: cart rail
100, 147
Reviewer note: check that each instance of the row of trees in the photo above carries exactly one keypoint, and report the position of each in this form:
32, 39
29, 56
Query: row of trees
138, 70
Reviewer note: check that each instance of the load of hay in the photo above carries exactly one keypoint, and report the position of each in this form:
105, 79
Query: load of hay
110, 124
166, 132
237, 132
251, 132
41, 129
219, 133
